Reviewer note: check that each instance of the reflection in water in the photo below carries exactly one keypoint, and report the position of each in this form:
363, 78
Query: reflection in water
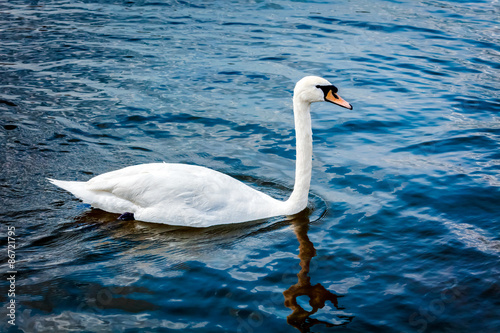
318, 295
171, 245
187, 238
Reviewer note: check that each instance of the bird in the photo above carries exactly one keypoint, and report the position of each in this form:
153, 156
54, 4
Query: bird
196, 196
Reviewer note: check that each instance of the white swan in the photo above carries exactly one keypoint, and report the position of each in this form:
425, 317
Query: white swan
195, 196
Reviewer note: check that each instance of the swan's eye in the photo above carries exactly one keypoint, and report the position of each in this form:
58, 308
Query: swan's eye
327, 89
331, 88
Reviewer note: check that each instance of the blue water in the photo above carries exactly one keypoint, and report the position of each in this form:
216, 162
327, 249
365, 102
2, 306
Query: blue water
402, 232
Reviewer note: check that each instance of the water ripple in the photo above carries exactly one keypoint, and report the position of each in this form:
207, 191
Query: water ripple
400, 235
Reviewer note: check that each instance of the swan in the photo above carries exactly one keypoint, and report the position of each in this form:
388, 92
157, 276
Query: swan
195, 196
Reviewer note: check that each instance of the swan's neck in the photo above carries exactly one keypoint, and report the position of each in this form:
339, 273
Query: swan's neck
303, 133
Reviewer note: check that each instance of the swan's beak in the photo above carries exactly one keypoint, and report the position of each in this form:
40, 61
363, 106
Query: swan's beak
336, 99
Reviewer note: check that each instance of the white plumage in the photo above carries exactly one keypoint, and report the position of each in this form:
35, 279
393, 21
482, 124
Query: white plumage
177, 194
190, 195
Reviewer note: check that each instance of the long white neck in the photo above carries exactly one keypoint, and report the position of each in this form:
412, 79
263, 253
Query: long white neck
303, 134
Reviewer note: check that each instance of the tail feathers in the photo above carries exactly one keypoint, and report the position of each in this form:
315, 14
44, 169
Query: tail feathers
76, 188
98, 199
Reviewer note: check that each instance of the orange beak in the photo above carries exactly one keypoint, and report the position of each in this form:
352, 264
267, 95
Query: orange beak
336, 99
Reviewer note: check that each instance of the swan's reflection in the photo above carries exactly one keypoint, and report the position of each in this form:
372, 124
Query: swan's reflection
174, 245
318, 295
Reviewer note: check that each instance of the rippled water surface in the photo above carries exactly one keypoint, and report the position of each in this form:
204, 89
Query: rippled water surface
402, 233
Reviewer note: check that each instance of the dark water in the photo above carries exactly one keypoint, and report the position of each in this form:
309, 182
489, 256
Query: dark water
403, 229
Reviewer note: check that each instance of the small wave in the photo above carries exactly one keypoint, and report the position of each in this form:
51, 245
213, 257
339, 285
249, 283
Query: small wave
468, 234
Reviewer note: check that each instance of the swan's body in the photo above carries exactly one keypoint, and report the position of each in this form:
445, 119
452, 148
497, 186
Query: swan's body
189, 195
179, 194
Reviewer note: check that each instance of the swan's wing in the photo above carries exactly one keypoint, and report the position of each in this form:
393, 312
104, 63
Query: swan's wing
147, 184
134, 184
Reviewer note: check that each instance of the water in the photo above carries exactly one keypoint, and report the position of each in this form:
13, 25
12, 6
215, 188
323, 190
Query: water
402, 230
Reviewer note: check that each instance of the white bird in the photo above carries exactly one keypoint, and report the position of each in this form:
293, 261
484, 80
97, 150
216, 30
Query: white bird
195, 196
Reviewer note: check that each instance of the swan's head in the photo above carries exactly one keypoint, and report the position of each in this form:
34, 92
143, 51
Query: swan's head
316, 89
